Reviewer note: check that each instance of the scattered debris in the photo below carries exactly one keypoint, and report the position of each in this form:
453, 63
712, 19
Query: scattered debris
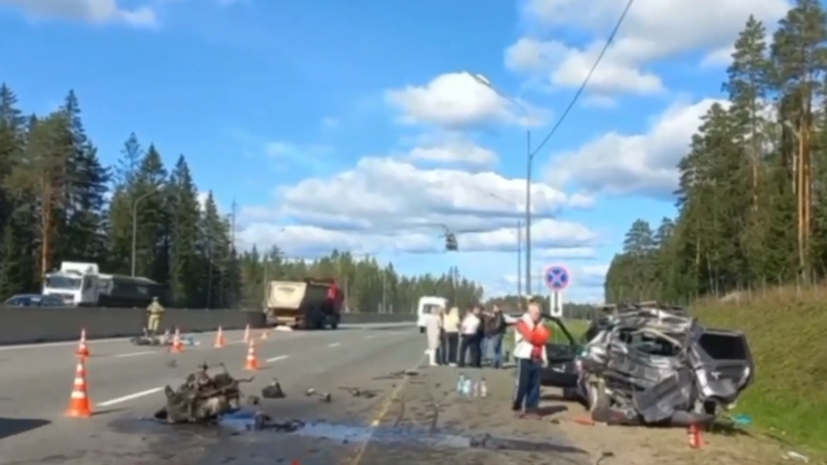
273, 391
362, 393
796, 456
202, 398
323, 396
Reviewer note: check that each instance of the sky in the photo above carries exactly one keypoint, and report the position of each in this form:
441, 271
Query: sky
360, 125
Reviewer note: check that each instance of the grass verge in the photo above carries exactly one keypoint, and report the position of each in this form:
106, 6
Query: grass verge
786, 329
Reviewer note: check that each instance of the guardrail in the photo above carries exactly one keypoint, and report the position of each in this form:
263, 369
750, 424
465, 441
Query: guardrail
27, 325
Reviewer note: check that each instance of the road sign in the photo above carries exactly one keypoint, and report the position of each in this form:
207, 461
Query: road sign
556, 301
557, 277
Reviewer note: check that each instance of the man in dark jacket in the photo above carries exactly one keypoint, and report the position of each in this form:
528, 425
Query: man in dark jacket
495, 328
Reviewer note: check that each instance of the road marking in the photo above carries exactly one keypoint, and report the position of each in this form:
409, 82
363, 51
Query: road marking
335, 344
370, 337
276, 359
382, 413
136, 354
136, 395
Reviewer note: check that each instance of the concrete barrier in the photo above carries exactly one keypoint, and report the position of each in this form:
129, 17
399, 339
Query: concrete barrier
26, 325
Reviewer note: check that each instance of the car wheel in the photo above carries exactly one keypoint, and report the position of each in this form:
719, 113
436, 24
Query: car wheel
596, 396
421, 330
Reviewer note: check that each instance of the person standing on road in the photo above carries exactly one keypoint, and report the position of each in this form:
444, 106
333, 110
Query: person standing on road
495, 327
469, 346
155, 310
433, 328
530, 337
450, 326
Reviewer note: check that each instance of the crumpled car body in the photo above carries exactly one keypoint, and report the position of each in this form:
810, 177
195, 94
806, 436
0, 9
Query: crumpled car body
647, 365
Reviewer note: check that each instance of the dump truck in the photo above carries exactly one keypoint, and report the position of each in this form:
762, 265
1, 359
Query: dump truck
308, 304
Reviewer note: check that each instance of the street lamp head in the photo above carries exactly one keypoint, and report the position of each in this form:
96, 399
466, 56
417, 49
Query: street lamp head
480, 79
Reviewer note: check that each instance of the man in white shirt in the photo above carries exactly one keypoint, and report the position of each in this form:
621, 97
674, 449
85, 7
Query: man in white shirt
471, 334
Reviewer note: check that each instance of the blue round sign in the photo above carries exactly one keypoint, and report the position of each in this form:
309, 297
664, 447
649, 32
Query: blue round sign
557, 277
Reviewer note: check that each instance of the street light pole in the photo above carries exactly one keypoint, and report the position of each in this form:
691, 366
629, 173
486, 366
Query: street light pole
519, 258
135, 226
529, 162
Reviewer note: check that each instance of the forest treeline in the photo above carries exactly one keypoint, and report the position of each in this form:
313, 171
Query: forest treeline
59, 202
752, 197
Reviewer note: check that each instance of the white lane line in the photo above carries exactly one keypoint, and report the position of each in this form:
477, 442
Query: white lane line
136, 354
335, 344
129, 397
276, 359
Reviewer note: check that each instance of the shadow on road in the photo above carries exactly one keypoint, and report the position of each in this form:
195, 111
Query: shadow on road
14, 426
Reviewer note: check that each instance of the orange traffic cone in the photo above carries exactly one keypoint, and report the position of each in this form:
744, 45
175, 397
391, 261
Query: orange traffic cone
695, 437
177, 345
79, 405
219, 339
252, 360
83, 349
247, 334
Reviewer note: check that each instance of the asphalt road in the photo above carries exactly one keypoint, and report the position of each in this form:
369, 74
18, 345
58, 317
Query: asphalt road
385, 426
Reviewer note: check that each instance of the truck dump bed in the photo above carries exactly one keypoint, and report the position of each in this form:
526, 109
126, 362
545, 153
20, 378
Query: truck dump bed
288, 301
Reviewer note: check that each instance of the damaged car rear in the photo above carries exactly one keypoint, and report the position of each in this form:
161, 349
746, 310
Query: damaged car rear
641, 364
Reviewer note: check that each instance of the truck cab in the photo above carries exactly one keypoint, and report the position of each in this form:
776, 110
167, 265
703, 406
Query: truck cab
426, 307
75, 283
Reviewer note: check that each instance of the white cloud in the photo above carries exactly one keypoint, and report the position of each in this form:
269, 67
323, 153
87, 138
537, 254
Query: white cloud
620, 163
308, 241
455, 100
452, 149
653, 30
92, 11
391, 194
719, 57
586, 283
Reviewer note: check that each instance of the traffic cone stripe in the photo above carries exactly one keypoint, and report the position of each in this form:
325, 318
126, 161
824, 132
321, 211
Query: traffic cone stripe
79, 405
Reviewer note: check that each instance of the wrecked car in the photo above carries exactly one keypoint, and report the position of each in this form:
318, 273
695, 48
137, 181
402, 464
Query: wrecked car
645, 364
202, 398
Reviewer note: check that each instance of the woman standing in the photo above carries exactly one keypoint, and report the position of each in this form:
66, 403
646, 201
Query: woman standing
434, 331
450, 326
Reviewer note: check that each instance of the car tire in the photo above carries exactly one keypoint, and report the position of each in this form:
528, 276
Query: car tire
596, 397
421, 330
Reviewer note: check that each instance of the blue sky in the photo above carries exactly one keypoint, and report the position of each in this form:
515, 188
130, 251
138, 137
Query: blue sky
355, 124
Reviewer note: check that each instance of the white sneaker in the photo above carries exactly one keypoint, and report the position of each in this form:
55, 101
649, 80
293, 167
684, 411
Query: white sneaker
452, 364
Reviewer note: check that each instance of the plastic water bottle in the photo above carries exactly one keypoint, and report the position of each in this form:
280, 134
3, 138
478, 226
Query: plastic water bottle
476, 389
483, 388
461, 382
468, 386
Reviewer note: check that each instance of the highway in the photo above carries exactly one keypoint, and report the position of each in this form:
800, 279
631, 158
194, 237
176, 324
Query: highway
126, 383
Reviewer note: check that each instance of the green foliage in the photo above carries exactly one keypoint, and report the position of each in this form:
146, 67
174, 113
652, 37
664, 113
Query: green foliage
752, 217
59, 202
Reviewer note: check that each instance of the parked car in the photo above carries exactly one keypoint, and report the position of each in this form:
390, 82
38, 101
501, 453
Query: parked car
642, 364
34, 300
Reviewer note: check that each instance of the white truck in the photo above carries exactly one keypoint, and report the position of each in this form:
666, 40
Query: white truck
82, 284
426, 306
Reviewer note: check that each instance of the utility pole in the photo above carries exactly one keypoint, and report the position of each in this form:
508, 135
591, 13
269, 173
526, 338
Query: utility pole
520, 259
529, 162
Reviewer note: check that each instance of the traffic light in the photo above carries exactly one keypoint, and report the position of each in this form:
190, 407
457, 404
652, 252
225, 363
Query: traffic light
451, 242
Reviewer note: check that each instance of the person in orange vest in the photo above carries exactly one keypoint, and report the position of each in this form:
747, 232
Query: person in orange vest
530, 337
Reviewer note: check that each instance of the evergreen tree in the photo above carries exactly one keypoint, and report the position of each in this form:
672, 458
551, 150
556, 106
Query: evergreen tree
752, 198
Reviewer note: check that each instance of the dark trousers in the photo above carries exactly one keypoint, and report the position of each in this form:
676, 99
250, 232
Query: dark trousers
527, 391
449, 346
469, 351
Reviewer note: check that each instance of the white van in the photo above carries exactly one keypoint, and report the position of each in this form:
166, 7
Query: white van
426, 306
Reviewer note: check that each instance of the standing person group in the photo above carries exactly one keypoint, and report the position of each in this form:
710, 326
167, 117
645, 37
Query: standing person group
462, 341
